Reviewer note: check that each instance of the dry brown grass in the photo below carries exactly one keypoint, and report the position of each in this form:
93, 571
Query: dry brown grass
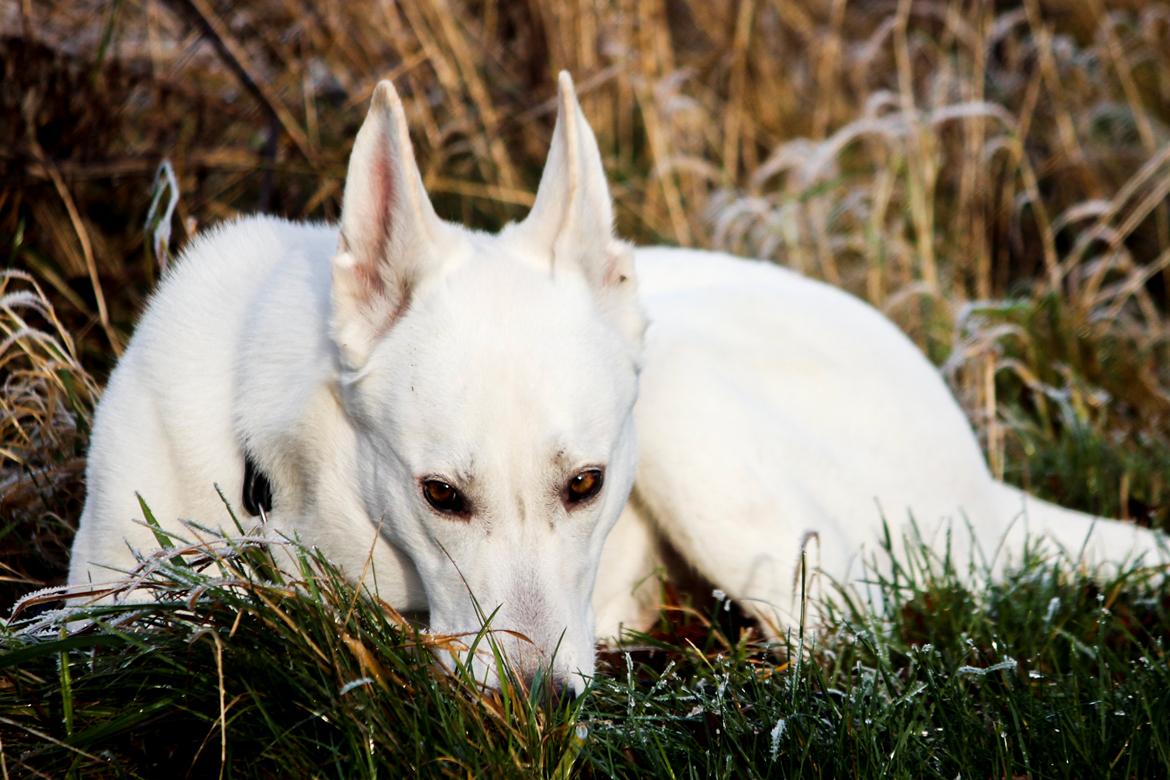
44, 418
995, 178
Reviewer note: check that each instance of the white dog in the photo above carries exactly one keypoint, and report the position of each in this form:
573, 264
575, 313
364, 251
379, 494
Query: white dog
454, 413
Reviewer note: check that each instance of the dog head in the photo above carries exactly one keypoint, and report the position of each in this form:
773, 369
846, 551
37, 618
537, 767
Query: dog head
491, 380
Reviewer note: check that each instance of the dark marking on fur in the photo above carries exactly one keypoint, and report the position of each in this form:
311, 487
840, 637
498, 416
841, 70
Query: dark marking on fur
615, 269
257, 489
370, 280
399, 299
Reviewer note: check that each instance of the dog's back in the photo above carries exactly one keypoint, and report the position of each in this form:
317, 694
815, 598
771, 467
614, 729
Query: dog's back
776, 410
164, 427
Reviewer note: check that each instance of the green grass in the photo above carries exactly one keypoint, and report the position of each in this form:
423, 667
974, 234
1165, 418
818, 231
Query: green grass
238, 672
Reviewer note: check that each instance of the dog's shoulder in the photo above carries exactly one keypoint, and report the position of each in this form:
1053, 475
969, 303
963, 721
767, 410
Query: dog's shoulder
247, 244
238, 283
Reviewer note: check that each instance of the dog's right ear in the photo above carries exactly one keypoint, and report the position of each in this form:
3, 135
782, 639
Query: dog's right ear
572, 217
388, 231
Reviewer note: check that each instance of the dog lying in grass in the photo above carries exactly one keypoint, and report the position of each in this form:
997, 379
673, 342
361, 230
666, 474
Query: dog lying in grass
458, 419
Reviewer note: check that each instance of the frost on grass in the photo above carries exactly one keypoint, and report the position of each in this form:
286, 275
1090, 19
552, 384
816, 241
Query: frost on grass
352, 684
777, 734
1053, 606
1008, 664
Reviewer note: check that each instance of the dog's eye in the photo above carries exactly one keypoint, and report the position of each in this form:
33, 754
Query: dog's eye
444, 498
584, 486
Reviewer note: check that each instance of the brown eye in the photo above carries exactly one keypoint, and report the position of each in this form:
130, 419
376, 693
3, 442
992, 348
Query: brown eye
444, 498
584, 486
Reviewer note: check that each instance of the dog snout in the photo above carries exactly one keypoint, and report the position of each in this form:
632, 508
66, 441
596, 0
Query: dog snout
563, 692
554, 689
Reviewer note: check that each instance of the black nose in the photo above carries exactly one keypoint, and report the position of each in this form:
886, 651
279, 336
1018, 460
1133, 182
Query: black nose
562, 693
555, 691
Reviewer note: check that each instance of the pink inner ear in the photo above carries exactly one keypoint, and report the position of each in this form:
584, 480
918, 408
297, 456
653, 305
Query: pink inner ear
374, 254
383, 192
385, 280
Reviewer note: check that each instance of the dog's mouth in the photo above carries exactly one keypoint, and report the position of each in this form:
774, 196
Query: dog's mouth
484, 657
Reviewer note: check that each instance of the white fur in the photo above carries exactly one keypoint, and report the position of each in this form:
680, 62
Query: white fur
772, 411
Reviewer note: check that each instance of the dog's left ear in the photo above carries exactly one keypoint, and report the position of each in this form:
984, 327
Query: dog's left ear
389, 231
572, 217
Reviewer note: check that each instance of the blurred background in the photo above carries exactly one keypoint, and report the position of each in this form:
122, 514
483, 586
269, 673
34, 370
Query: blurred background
994, 176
